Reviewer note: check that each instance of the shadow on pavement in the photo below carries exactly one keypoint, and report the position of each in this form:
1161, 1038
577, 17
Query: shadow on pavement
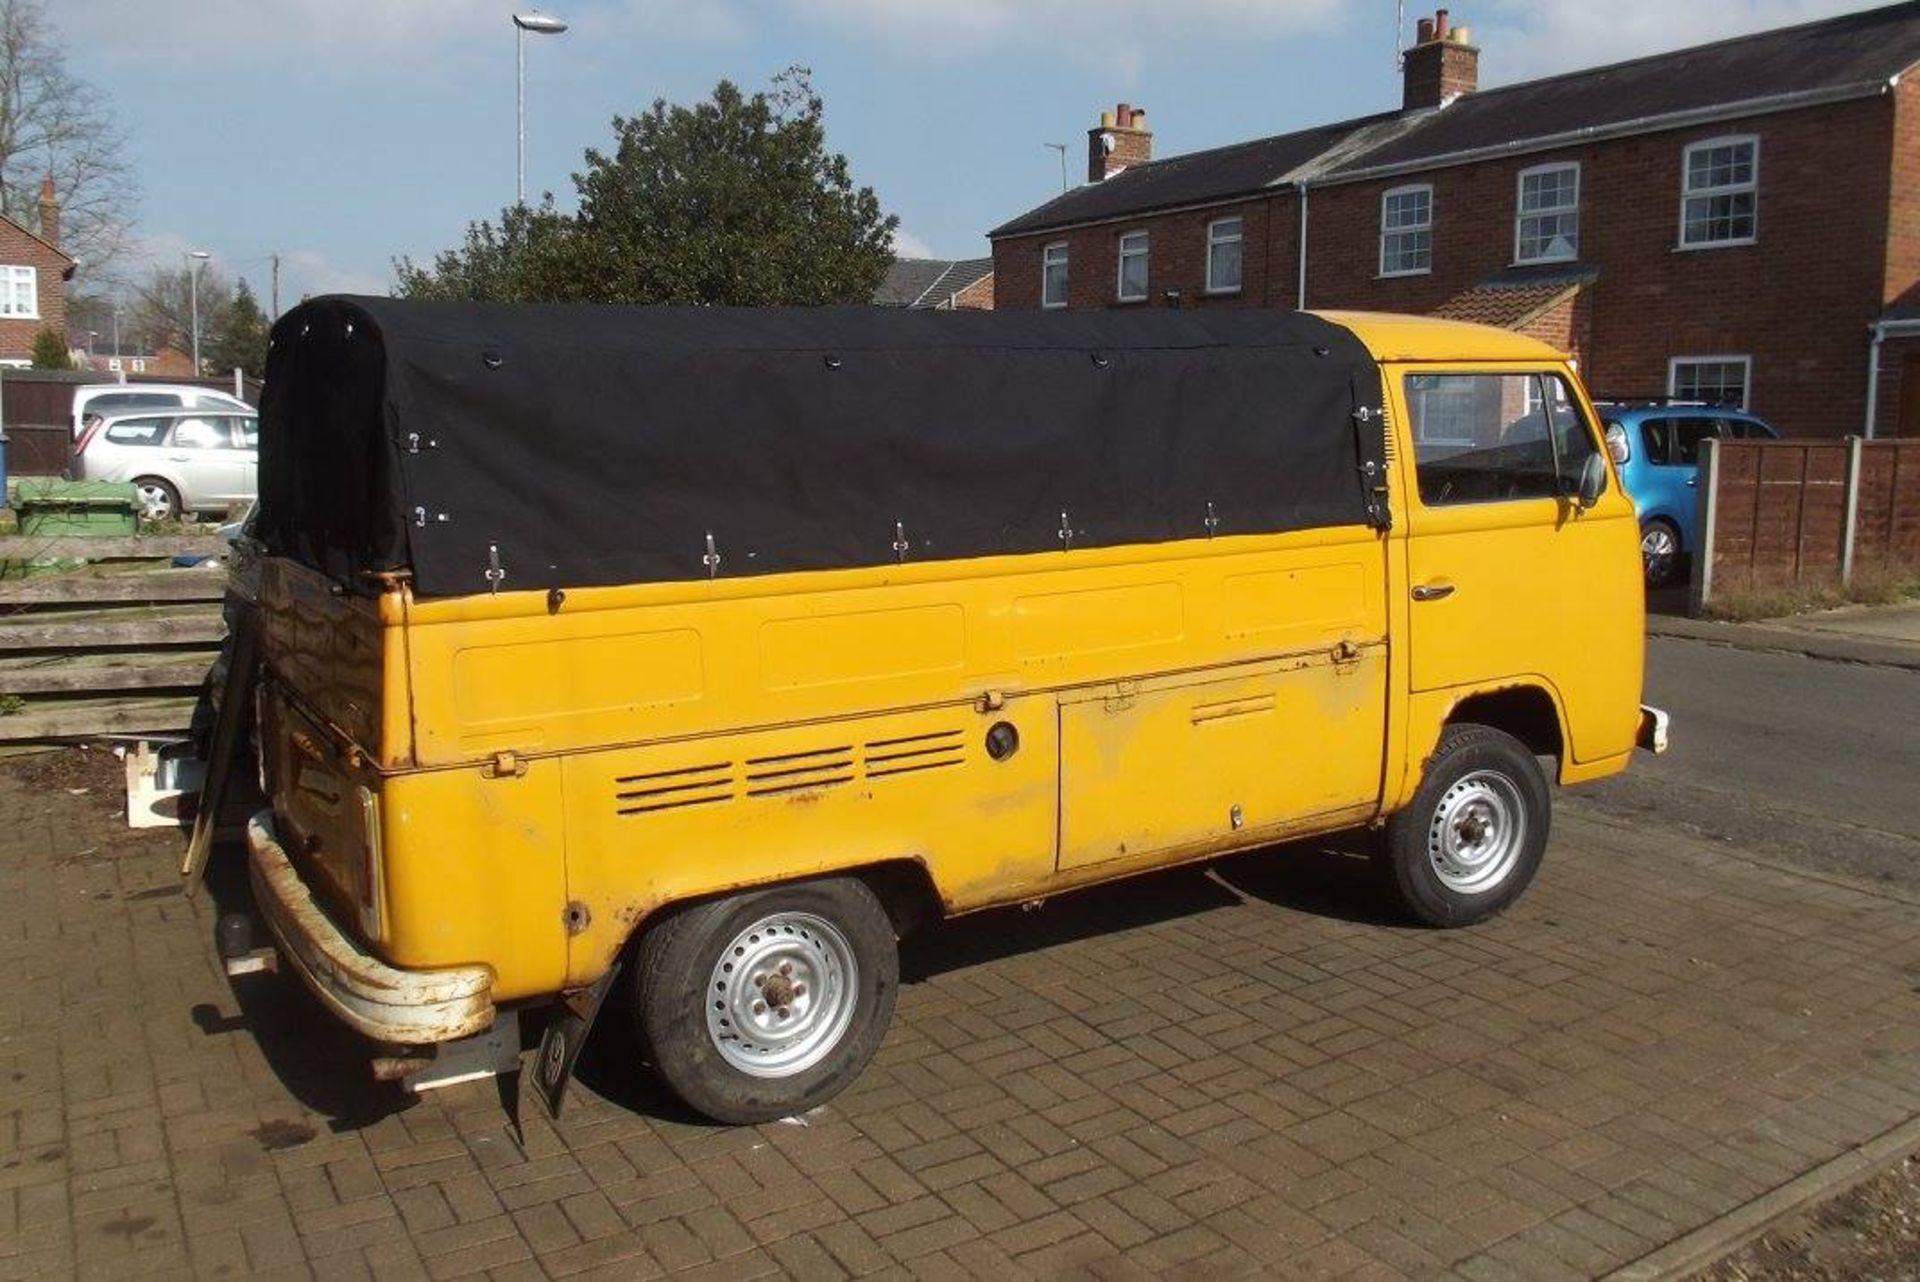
1333, 877
323, 1062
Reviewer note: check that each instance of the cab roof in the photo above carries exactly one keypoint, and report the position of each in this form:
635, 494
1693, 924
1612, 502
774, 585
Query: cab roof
1391, 337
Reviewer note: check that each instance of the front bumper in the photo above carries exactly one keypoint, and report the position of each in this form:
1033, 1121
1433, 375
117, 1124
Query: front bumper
1653, 729
407, 1007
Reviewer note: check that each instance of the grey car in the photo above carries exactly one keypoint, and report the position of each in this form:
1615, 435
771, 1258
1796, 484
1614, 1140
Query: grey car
180, 460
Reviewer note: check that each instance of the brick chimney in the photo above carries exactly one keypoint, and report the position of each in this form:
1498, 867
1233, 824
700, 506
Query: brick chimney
1443, 64
1121, 141
49, 212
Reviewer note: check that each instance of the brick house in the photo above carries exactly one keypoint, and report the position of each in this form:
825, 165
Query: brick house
1738, 221
937, 284
33, 281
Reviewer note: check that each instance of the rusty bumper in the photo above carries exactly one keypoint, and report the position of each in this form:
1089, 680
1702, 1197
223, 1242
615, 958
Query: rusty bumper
407, 1007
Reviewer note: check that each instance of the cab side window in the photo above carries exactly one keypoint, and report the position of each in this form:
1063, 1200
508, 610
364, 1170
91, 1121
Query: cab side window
1490, 438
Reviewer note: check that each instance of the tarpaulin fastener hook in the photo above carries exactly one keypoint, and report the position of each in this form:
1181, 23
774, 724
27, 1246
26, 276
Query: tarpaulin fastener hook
1213, 521
495, 573
1066, 531
1100, 360
712, 559
830, 361
900, 544
492, 359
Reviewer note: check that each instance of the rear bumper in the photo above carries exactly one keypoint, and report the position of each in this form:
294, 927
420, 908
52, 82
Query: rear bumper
408, 1007
1653, 729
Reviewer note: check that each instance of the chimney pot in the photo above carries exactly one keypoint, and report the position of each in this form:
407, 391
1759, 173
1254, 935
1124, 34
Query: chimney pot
1121, 141
1424, 32
1443, 66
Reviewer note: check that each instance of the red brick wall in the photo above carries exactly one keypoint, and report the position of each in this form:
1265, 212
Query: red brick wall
18, 249
977, 296
1798, 302
1176, 259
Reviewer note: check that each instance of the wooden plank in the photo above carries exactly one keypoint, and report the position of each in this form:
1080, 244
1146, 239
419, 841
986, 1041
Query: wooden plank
79, 547
188, 629
82, 721
154, 673
103, 589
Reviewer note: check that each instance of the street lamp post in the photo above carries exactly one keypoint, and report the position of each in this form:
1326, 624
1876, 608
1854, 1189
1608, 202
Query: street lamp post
195, 257
541, 24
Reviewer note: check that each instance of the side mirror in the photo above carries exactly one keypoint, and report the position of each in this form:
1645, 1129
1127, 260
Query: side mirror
1593, 481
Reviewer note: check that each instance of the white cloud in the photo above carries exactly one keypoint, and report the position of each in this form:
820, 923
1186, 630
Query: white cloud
1528, 38
375, 37
1114, 34
908, 245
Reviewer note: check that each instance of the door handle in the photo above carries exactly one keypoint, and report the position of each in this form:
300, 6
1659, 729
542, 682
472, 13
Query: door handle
1433, 591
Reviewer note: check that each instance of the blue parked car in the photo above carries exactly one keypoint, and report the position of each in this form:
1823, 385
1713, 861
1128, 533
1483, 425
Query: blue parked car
1657, 445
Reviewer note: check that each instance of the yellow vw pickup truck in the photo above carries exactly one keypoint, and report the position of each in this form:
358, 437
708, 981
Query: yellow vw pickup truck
716, 649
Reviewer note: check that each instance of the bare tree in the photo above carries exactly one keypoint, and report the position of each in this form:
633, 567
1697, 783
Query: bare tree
52, 123
162, 310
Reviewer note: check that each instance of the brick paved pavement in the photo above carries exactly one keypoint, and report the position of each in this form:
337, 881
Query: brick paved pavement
1238, 1074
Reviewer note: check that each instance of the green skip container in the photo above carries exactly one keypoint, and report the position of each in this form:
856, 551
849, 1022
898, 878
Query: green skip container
48, 506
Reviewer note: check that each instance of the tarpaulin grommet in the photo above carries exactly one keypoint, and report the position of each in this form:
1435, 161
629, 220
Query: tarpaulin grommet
830, 361
492, 359
1100, 360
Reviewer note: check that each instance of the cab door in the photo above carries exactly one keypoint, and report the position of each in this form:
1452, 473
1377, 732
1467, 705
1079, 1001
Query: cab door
1510, 580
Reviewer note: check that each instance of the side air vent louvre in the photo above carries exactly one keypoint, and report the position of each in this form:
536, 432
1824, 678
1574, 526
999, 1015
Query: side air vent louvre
913, 753
796, 771
671, 789
789, 772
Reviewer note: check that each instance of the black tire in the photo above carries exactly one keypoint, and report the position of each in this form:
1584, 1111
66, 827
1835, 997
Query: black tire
1660, 569
163, 492
1445, 862
683, 990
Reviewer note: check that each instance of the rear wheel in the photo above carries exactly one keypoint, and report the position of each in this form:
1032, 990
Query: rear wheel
1473, 836
1660, 551
159, 501
767, 1004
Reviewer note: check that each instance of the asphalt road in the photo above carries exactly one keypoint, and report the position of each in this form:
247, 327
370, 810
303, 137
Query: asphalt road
1804, 762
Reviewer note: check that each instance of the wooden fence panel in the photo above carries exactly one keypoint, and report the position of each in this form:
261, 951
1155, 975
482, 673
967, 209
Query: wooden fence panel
1781, 513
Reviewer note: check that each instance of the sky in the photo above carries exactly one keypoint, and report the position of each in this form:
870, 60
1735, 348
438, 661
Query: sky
342, 134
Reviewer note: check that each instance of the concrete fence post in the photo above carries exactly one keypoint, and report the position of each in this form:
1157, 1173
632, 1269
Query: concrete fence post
1850, 513
1700, 582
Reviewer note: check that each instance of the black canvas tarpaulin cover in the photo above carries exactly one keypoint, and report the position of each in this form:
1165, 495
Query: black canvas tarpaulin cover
567, 446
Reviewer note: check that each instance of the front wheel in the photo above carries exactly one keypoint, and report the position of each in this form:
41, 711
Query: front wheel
767, 1004
1473, 836
1660, 551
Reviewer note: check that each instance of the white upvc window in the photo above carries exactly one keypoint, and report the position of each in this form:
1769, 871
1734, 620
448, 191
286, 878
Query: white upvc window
1406, 230
1053, 275
1546, 224
20, 293
1714, 380
1720, 193
1224, 236
1130, 285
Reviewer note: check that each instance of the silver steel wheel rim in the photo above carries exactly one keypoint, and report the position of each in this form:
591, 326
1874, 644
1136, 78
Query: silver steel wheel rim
1657, 549
157, 502
1477, 833
781, 995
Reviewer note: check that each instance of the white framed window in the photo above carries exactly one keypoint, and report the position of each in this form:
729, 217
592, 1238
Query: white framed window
1131, 283
20, 292
1406, 230
1224, 236
1720, 193
1053, 275
1546, 224
1714, 380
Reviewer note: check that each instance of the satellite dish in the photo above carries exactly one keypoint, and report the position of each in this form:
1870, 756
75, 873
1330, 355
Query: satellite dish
1106, 144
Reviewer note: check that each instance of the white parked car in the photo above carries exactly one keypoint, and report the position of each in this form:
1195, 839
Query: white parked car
180, 460
104, 400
